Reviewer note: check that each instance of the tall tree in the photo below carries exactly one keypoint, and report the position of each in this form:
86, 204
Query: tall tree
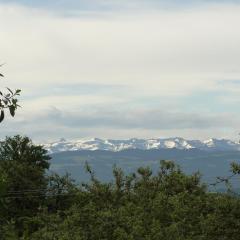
24, 166
8, 101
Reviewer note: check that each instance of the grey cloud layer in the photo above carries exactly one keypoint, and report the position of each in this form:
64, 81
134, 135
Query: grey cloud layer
53, 123
134, 119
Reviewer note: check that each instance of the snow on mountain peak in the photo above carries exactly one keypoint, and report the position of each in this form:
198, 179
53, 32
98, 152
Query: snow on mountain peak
144, 144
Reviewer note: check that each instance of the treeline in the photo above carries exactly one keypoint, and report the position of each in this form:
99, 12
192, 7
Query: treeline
170, 205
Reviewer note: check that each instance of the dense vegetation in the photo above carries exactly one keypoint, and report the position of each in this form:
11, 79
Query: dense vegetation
169, 205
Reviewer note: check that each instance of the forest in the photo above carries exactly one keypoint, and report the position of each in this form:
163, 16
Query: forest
38, 204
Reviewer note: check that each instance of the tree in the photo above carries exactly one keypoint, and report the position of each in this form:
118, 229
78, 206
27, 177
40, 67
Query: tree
170, 205
7, 101
61, 192
24, 166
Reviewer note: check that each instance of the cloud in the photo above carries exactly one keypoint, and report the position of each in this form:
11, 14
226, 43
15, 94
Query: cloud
142, 119
53, 122
111, 62
164, 51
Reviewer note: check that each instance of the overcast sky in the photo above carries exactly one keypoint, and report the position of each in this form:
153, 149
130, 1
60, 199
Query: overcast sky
122, 69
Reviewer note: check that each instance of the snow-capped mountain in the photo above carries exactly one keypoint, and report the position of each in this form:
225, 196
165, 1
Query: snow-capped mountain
144, 144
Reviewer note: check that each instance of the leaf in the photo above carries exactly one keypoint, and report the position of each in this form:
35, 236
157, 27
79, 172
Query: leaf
10, 90
1, 75
14, 101
1, 116
12, 110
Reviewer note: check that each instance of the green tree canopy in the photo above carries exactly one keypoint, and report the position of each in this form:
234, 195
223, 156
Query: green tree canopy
24, 166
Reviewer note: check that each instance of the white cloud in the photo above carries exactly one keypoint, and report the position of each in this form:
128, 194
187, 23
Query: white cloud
167, 53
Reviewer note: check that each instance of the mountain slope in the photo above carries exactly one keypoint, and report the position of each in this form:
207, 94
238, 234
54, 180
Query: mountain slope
209, 164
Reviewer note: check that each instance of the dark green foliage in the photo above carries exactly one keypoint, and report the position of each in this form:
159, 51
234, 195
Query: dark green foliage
61, 192
22, 169
169, 205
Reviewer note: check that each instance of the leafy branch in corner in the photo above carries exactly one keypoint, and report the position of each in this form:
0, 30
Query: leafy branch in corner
8, 101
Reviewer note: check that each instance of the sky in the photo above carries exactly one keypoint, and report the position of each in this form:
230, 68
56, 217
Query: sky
122, 69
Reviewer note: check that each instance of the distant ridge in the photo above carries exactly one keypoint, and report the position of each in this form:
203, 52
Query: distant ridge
144, 144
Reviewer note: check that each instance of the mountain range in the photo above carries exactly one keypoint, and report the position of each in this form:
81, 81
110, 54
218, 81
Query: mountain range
143, 144
212, 158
